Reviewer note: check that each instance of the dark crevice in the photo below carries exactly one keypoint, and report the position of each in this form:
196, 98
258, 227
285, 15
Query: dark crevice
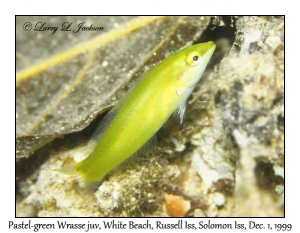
265, 176
223, 36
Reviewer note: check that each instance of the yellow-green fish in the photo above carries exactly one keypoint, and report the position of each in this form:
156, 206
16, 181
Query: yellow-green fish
133, 122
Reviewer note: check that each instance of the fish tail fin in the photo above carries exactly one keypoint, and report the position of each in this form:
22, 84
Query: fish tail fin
70, 169
73, 172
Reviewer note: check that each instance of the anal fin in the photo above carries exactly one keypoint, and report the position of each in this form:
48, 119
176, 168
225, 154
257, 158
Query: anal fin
145, 150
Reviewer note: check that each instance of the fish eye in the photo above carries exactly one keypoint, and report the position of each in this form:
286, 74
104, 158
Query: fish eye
193, 58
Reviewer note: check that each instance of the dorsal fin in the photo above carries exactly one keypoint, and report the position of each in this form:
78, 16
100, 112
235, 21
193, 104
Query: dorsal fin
102, 126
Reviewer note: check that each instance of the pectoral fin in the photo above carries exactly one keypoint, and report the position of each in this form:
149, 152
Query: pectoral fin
180, 112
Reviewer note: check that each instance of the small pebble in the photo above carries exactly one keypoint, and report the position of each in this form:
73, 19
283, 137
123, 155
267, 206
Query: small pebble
176, 206
219, 199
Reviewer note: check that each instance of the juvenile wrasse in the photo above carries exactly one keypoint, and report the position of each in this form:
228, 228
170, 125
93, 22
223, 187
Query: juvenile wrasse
140, 114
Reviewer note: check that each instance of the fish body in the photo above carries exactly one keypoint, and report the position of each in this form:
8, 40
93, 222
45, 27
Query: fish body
144, 109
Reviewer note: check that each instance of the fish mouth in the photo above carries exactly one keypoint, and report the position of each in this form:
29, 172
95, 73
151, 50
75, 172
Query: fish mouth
212, 47
211, 44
